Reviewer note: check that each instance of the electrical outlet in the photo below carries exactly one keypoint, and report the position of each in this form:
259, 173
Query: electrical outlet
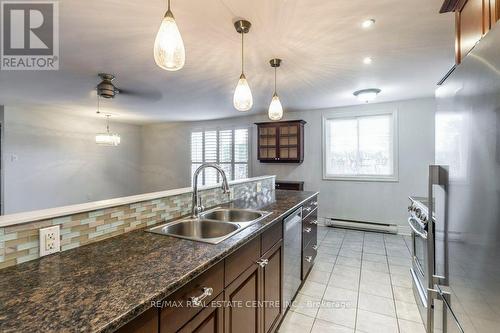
259, 187
50, 240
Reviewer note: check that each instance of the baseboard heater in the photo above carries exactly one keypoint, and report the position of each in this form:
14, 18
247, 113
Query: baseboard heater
360, 225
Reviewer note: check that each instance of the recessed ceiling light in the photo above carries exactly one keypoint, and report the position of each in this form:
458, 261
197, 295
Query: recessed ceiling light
368, 23
367, 60
367, 95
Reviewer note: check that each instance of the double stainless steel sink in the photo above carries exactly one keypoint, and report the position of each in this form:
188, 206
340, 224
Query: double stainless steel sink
212, 226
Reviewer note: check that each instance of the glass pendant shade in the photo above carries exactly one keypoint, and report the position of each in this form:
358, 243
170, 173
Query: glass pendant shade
169, 52
275, 108
243, 99
107, 139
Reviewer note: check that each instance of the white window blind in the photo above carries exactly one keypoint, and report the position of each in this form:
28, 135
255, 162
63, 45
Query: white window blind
360, 147
227, 148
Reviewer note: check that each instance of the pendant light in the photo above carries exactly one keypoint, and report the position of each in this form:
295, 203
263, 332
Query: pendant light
242, 99
275, 108
107, 138
169, 52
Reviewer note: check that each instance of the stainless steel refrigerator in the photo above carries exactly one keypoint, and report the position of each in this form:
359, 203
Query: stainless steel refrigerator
463, 247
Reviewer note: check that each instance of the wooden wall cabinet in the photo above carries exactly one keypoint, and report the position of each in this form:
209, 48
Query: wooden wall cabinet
281, 142
473, 20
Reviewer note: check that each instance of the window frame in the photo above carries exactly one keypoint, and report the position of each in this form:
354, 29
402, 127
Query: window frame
233, 163
359, 114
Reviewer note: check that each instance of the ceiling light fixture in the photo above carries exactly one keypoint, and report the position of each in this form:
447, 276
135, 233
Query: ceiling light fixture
107, 138
368, 23
169, 52
242, 99
367, 95
367, 60
275, 108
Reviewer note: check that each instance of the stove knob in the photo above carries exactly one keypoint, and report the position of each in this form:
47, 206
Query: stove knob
410, 208
424, 218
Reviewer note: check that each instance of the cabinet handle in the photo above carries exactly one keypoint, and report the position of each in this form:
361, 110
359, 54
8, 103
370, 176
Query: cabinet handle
307, 209
315, 247
308, 230
263, 262
197, 300
314, 222
314, 203
309, 258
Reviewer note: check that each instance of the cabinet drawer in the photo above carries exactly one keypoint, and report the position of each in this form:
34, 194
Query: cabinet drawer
309, 230
308, 256
182, 310
271, 236
309, 206
243, 258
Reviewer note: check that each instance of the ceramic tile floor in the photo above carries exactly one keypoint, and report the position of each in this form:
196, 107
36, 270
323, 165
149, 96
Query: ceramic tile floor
360, 283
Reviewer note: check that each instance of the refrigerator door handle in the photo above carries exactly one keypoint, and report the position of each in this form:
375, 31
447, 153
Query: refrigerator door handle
438, 175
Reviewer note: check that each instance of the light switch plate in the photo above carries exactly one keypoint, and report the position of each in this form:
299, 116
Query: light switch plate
50, 241
259, 187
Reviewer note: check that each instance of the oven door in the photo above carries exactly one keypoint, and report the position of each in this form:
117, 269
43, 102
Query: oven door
419, 262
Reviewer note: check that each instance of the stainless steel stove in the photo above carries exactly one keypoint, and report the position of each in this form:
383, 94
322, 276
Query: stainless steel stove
418, 220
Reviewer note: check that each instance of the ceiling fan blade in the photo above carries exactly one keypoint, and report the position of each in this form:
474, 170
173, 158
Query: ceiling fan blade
147, 95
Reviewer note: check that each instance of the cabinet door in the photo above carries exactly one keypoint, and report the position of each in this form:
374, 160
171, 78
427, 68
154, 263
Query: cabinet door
272, 283
289, 142
145, 323
210, 320
241, 313
471, 26
268, 138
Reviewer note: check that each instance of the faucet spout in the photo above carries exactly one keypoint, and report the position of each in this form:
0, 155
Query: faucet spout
197, 206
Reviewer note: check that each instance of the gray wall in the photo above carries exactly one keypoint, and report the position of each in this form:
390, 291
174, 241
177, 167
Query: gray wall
168, 161
51, 159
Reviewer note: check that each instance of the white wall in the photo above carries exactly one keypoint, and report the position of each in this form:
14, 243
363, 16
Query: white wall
383, 202
51, 159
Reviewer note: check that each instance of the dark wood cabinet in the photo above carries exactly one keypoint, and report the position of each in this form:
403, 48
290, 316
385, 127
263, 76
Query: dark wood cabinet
209, 320
281, 142
145, 323
255, 297
243, 316
272, 285
289, 185
174, 318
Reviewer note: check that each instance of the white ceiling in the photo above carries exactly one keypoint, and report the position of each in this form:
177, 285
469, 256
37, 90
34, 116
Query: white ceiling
321, 43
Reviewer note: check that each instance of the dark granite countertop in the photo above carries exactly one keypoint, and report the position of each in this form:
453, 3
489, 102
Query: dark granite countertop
101, 286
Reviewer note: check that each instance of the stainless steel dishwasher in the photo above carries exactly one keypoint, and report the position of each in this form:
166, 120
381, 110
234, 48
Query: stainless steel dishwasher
292, 226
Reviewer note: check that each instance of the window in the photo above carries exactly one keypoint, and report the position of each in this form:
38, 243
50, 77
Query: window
361, 146
227, 148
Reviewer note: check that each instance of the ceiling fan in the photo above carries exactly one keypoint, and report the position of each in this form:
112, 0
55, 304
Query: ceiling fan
107, 89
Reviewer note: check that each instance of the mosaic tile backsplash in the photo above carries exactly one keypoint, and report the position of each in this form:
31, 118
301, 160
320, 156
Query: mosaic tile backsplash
19, 243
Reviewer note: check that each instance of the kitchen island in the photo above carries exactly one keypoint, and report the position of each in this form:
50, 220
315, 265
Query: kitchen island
102, 286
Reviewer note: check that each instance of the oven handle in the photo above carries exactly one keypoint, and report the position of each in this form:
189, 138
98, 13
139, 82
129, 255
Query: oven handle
411, 222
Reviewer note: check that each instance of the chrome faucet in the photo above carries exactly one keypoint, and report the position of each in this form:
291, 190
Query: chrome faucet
197, 207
